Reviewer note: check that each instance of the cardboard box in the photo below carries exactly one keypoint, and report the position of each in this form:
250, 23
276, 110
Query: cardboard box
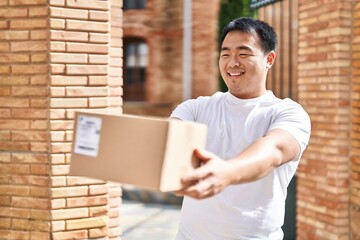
147, 152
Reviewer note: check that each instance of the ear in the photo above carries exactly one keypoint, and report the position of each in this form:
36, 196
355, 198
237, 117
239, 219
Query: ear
270, 59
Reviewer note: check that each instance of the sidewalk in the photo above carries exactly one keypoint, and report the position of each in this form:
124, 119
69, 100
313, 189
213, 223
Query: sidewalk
150, 221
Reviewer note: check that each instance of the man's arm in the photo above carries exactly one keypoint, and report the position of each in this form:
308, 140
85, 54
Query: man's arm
260, 158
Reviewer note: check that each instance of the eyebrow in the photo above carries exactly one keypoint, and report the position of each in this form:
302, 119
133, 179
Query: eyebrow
237, 48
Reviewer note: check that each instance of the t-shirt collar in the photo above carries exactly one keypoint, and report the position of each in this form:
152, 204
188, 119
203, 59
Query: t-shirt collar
248, 102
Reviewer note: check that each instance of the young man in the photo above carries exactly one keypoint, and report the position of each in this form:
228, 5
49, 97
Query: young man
255, 141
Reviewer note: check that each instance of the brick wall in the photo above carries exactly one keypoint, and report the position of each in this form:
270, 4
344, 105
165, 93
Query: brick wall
56, 57
24, 106
324, 89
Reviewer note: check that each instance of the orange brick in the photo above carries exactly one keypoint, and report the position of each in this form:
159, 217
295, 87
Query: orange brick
15, 124
39, 169
99, 37
98, 102
98, 80
14, 35
4, 25
94, 222
38, 11
39, 235
57, 136
57, 46
73, 181
4, 157
79, 234
61, 124
39, 191
30, 68
29, 113
59, 170
27, 2
39, 57
98, 189
30, 224
68, 103
87, 48
39, 146
68, 58
89, 4
38, 124
16, 58
29, 158
61, 147
39, 35
58, 181
57, 23
69, 192
13, 12
5, 223
15, 190
14, 212
87, 201
86, 91
68, 80
5, 69
58, 203
57, 226
63, 214
57, 68
28, 24
73, 36
31, 180
57, 91
98, 59
68, 13
29, 91
57, 2
86, 69
98, 211
99, 15
57, 113
98, 232
29, 202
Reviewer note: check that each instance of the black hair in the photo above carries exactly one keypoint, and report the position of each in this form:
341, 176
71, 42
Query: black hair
264, 31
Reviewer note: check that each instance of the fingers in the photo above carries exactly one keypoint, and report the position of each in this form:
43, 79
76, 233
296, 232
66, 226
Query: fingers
202, 170
203, 189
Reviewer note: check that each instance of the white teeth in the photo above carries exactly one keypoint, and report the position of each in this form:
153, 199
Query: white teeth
235, 74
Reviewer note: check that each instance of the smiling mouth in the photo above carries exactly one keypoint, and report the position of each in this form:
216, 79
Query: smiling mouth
236, 74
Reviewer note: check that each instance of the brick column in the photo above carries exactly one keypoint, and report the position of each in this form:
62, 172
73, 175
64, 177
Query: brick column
355, 141
324, 80
56, 57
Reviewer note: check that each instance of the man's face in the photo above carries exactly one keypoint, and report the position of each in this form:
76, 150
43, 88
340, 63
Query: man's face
243, 64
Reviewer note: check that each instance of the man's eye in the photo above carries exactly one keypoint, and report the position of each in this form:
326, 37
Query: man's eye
225, 55
244, 55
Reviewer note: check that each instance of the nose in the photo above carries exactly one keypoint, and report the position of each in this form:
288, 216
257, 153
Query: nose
234, 62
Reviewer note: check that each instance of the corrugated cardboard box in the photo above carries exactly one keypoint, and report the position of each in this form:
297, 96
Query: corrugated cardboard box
147, 152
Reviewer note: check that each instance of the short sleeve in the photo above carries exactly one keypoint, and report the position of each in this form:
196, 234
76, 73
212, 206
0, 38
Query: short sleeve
185, 111
293, 118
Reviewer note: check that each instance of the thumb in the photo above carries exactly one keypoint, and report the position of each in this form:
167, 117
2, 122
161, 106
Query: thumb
202, 156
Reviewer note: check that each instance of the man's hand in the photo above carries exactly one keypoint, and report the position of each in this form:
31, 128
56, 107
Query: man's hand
210, 178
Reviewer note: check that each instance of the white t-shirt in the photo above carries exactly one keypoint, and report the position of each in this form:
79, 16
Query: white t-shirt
245, 211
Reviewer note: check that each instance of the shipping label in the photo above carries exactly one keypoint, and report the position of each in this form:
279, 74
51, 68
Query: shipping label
87, 138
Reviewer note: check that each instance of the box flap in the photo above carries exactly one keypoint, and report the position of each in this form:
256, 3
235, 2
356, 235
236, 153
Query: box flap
183, 138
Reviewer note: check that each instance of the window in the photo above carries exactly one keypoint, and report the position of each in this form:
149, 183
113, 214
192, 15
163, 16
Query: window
135, 63
134, 4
